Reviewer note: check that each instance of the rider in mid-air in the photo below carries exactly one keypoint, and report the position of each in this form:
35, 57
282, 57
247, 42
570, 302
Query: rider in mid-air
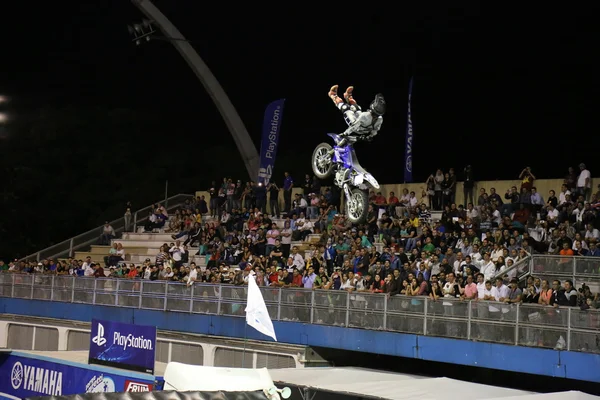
360, 122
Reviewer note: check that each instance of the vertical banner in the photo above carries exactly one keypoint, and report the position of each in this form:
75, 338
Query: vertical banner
270, 140
408, 161
122, 345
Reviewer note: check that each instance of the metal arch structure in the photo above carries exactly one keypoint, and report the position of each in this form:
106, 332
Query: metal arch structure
232, 119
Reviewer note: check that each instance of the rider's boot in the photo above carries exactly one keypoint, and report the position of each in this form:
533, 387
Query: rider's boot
348, 95
334, 96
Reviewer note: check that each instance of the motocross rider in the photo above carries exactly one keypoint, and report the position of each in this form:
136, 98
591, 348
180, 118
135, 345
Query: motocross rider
360, 123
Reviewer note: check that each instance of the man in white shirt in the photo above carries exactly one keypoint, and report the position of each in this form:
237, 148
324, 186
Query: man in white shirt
449, 289
564, 192
591, 233
297, 259
497, 252
475, 254
458, 264
496, 217
480, 287
87, 264
487, 267
300, 205
176, 250
192, 276
584, 182
500, 291
552, 216
306, 229
108, 233
405, 199
89, 270
472, 212
412, 200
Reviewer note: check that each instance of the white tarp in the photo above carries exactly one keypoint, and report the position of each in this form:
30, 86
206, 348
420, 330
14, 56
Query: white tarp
390, 385
185, 377
572, 395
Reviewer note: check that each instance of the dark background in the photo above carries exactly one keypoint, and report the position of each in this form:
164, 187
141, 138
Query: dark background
96, 121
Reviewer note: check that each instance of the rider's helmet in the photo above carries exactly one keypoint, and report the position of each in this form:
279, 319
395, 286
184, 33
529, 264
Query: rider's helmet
378, 105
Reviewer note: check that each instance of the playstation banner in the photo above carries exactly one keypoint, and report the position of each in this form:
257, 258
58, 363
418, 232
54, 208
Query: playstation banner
122, 345
270, 140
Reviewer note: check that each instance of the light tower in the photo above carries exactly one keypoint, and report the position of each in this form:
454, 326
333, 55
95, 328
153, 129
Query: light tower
146, 32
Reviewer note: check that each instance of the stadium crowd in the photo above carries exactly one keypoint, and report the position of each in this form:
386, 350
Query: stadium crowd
474, 251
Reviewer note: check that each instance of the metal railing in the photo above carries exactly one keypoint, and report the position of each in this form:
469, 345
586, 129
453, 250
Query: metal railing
67, 247
566, 328
520, 270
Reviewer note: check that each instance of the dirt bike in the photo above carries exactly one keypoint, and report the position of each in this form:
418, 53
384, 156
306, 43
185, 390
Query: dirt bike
353, 179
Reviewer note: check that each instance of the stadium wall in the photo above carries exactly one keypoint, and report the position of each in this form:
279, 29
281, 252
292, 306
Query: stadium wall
545, 362
543, 187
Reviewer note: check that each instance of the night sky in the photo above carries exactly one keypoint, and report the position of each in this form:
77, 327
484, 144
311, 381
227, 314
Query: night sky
498, 89
495, 93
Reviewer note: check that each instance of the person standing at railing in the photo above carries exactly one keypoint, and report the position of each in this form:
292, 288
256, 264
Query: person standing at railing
564, 297
514, 294
469, 291
127, 220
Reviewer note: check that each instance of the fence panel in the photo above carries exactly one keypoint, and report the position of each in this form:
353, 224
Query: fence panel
521, 324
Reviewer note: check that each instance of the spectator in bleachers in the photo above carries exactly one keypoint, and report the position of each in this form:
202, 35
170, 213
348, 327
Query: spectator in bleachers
584, 183
115, 255
273, 190
108, 233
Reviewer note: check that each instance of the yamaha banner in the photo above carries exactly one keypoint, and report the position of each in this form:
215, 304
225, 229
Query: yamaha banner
23, 375
121, 345
270, 140
408, 161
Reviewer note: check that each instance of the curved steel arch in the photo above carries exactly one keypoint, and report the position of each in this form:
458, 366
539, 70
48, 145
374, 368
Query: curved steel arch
232, 119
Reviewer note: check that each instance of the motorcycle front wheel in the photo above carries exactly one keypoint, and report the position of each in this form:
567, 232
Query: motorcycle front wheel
357, 206
322, 164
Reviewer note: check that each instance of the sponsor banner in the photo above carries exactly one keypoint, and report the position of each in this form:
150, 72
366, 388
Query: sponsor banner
270, 140
408, 153
22, 377
122, 345
134, 386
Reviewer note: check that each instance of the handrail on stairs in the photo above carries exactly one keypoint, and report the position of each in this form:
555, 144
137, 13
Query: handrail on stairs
67, 247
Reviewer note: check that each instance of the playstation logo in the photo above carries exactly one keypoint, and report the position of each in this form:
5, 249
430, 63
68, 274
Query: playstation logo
99, 338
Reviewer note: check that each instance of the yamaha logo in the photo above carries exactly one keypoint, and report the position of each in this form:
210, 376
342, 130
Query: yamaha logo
99, 338
36, 379
409, 163
16, 376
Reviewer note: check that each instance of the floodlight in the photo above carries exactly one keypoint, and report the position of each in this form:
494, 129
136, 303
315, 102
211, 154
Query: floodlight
3, 99
3, 118
130, 29
147, 23
138, 28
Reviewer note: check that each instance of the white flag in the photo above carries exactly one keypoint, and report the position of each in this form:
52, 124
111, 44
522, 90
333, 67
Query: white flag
257, 315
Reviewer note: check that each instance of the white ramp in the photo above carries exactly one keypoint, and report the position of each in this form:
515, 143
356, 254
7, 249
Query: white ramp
185, 377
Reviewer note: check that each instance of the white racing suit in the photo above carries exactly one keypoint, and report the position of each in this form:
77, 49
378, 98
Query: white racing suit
360, 122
